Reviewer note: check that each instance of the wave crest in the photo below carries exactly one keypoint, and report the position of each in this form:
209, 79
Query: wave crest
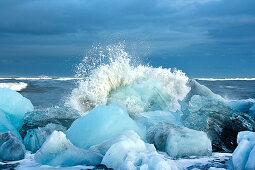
114, 71
14, 86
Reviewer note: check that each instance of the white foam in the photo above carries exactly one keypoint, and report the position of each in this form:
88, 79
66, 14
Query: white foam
226, 79
14, 86
33, 78
6, 78
68, 78
119, 71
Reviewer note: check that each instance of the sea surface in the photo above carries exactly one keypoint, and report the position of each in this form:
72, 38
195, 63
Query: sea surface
47, 92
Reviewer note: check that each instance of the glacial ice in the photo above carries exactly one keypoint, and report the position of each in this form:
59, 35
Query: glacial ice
57, 150
116, 153
154, 117
142, 95
245, 106
100, 124
244, 155
15, 106
11, 149
177, 141
6, 126
204, 110
130, 152
36, 137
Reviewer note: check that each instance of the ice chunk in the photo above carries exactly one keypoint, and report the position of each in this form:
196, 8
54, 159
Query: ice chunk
246, 105
103, 147
204, 110
130, 152
141, 96
59, 151
152, 118
250, 164
250, 136
244, 154
116, 153
177, 141
149, 160
6, 126
15, 106
11, 149
36, 137
100, 124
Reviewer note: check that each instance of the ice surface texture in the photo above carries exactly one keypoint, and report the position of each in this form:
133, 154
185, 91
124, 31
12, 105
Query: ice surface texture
244, 155
179, 141
59, 151
102, 123
36, 137
5, 125
131, 152
11, 149
15, 106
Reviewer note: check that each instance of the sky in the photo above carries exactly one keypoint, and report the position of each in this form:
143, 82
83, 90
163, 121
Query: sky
204, 38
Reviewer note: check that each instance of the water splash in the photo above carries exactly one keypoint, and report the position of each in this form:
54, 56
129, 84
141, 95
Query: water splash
112, 71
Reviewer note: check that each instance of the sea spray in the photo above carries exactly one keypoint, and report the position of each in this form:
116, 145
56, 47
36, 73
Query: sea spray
113, 69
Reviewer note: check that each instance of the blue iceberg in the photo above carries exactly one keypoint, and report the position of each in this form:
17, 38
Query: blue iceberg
176, 140
57, 150
36, 137
244, 155
100, 124
14, 105
6, 126
131, 152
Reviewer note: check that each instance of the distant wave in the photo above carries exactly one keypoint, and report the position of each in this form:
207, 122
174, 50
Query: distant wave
226, 79
67, 78
40, 78
14, 86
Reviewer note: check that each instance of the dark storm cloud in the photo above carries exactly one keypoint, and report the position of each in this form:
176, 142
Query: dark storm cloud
173, 28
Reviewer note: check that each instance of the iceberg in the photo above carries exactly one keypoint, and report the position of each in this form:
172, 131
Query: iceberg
131, 152
14, 105
209, 112
244, 155
151, 118
177, 141
245, 106
6, 126
142, 95
36, 137
11, 149
57, 150
100, 124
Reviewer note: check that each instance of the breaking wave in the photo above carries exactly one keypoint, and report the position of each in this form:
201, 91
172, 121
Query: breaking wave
226, 79
14, 86
113, 76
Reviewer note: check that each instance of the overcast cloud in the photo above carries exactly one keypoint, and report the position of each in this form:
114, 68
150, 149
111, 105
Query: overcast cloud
193, 35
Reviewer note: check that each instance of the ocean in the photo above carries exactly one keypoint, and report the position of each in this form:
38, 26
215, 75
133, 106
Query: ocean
53, 91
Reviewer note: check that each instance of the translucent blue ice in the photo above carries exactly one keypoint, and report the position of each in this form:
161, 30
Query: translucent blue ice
6, 126
131, 152
244, 155
59, 151
36, 137
154, 117
177, 141
100, 124
14, 105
